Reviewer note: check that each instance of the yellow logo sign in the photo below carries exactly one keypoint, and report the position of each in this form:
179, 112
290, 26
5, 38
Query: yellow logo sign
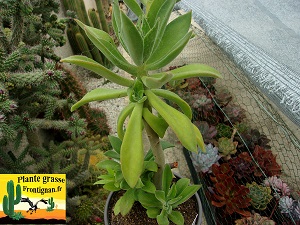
32, 198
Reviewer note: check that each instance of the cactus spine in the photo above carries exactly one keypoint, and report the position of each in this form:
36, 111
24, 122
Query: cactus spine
51, 203
9, 200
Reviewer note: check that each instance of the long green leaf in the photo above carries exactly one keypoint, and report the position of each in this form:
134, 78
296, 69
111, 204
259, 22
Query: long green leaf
162, 10
127, 201
176, 217
174, 32
153, 212
195, 70
149, 40
132, 39
157, 124
135, 7
116, 19
126, 111
200, 140
167, 179
148, 200
105, 44
115, 142
153, 11
172, 97
187, 193
180, 123
162, 218
160, 195
132, 152
107, 164
167, 55
92, 65
99, 94
157, 80
181, 184
163, 15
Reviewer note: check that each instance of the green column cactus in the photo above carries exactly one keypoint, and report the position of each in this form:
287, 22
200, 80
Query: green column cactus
51, 203
82, 11
83, 45
9, 200
102, 16
72, 41
94, 18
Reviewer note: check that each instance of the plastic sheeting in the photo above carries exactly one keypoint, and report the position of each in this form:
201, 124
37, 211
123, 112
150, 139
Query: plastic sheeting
271, 62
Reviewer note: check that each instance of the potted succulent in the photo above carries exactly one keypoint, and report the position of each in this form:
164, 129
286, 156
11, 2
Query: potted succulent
152, 42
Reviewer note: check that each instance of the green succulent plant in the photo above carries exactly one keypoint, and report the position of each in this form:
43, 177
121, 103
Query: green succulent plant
260, 195
224, 130
227, 147
152, 43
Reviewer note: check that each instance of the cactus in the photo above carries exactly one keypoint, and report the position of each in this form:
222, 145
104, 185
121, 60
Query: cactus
102, 16
65, 5
72, 5
260, 195
72, 41
51, 203
79, 8
97, 56
83, 45
94, 18
9, 200
81, 12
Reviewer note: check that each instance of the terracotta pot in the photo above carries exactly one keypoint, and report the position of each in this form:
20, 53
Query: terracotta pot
107, 206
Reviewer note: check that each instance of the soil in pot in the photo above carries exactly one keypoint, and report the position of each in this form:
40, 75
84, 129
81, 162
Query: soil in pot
138, 216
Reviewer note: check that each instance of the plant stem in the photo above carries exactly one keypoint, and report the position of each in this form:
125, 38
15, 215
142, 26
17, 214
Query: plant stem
158, 154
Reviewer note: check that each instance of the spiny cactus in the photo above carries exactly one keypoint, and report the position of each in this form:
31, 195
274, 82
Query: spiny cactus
83, 45
82, 42
81, 11
94, 18
260, 195
9, 200
95, 118
255, 219
51, 203
102, 17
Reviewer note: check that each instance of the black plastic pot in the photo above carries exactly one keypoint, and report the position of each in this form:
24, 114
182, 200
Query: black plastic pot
111, 194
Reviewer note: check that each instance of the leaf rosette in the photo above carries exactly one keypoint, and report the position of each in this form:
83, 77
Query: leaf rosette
152, 43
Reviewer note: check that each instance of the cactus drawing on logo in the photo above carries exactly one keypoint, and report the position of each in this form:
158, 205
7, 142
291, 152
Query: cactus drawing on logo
9, 200
51, 203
